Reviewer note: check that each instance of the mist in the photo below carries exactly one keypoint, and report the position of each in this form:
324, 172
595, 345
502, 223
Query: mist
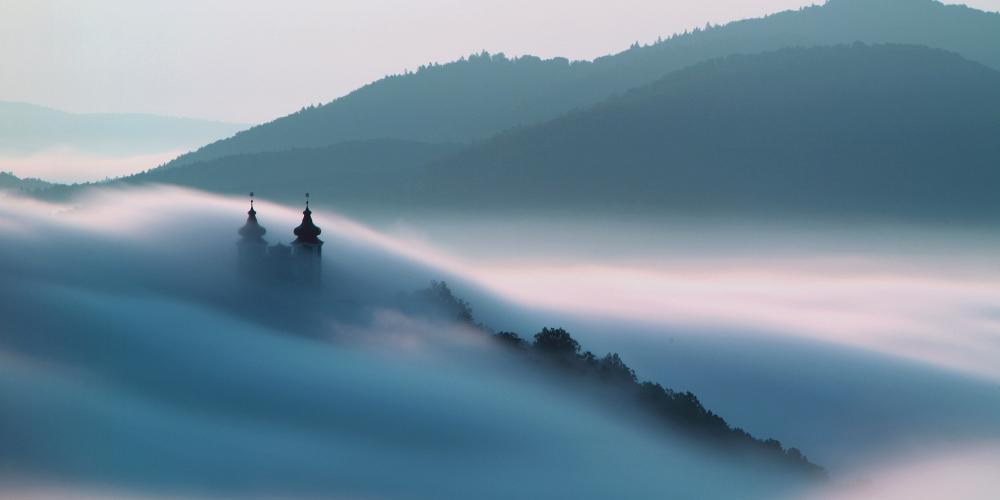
66, 165
56, 146
718, 249
254, 61
136, 362
868, 343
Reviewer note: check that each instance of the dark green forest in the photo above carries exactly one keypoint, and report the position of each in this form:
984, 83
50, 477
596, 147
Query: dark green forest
898, 131
892, 130
470, 99
855, 130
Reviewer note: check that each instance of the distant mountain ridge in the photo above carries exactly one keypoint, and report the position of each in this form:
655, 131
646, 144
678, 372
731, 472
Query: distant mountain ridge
27, 129
471, 99
10, 181
894, 130
349, 171
850, 130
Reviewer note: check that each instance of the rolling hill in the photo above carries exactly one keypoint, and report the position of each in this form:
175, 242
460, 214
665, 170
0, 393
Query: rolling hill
868, 130
471, 99
350, 172
893, 130
10, 181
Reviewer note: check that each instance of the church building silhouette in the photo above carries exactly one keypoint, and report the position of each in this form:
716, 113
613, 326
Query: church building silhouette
299, 263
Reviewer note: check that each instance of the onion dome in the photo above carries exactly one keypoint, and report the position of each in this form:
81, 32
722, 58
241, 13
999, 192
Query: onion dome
307, 233
252, 231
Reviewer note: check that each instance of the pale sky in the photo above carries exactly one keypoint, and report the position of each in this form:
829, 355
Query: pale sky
253, 60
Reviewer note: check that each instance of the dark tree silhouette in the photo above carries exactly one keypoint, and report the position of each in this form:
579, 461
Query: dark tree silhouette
511, 339
556, 349
611, 368
440, 298
556, 341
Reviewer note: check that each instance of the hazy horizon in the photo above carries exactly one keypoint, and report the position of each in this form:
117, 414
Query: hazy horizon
255, 62
251, 62
845, 351
754, 261
49, 144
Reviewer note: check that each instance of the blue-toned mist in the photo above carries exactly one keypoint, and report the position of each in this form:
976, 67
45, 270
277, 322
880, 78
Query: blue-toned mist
134, 360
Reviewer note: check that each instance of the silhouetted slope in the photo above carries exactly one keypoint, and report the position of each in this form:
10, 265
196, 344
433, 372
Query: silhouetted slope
361, 170
471, 99
611, 383
888, 129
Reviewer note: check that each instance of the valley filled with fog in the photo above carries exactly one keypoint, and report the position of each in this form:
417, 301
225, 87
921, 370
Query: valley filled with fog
136, 362
862, 341
748, 260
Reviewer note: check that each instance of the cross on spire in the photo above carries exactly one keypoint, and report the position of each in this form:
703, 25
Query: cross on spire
307, 200
251, 199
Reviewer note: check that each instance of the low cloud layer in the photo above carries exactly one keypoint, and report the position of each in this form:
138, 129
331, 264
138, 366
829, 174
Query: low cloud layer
135, 361
65, 165
925, 294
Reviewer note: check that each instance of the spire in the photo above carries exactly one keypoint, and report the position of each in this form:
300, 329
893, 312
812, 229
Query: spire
252, 231
307, 232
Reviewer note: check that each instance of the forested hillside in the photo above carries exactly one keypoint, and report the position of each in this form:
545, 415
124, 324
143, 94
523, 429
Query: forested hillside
887, 129
471, 99
884, 130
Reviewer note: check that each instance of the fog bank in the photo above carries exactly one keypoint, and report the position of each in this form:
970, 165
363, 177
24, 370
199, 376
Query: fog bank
135, 362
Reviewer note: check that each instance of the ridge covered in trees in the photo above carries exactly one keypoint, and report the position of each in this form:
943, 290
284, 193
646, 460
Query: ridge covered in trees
472, 98
889, 130
616, 384
29, 184
896, 131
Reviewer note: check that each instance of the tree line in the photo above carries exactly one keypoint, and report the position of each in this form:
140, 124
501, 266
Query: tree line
555, 350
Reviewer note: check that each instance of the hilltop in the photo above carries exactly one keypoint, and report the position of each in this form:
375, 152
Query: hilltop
889, 130
886, 129
11, 181
473, 98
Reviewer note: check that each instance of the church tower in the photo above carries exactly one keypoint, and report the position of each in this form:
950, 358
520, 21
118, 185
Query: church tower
307, 249
251, 249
